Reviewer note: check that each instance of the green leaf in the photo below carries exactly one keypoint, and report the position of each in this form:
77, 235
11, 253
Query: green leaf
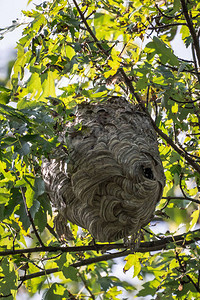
56, 292
48, 86
30, 193
149, 288
70, 272
165, 53
34, 208
62, 260
195, 217
133, 260
8, 279
4, 195
5, 95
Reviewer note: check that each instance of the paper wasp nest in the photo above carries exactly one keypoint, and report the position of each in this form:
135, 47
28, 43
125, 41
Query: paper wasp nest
111, 177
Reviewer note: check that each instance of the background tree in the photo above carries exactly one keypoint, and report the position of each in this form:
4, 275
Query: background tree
75, 51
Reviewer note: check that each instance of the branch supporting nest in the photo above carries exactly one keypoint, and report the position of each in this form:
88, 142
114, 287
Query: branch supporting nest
180, 240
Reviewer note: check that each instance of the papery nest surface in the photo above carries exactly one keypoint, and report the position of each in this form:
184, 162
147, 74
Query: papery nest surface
111, 177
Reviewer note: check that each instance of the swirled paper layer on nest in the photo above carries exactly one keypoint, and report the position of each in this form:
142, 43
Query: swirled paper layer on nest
112, 177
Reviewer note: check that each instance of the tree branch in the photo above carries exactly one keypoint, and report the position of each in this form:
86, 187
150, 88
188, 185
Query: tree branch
96, 247
179, 240
144, 246
89, 29
183, 271
184, 70
191, 29
195, 62
175, 147
166, 26
138, 98
182, 198
164, 15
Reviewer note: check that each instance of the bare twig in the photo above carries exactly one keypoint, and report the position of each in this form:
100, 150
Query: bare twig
89, 29
183, 271
195, 63
182, 198
131, 88
195, 109
181, 187
90, 14
192, 155
30, 218
166, 26
184, 102
52, 231
177, 69
147, 96
124, 47
5, 296
86, 286
166, 16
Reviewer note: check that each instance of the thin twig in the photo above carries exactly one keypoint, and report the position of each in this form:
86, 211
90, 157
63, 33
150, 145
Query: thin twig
179, 240
52, 231
184, 102
90, 14
166, 16
198, 283
147, 97
184, 70
85, 284
30, 217
183, 271
166, 26
195, 63
131, 88
181, 187
191, 161
88, 28
5, 296
182, 198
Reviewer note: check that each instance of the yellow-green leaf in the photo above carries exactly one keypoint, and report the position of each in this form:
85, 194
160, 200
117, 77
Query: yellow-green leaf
132, 260
175, 108
195, 217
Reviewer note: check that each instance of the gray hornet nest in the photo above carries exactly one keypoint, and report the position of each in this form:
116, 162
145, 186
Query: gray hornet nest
111, 177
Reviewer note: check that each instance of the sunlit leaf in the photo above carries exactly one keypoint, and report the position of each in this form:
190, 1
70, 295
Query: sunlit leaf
195, 217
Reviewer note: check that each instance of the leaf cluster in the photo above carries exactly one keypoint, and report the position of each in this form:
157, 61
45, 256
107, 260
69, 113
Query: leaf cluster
88, 51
